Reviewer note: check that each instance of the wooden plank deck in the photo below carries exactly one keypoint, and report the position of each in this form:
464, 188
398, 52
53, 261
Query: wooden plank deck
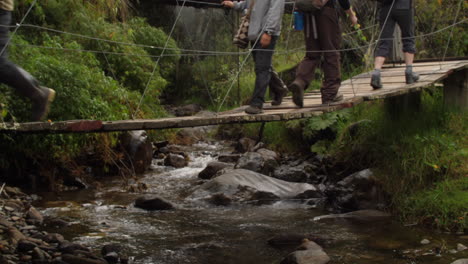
355, 90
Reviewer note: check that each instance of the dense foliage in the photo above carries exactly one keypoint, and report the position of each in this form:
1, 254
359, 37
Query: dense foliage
100, 60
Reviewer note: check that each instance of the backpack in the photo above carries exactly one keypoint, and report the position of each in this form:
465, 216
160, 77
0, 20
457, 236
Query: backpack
310, 5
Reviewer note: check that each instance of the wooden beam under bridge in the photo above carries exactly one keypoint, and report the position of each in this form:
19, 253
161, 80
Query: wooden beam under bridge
355, 90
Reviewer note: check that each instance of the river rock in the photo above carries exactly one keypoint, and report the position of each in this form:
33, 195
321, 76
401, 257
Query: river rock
251, 161
220, 199
176, 161
70, 248
461, 261
212, 168
245, 145
229, 158
187, 110
71, 259
295, 240
425, 241
357, 192
308, 253
153, 204
34, 216
461, 247
361, 215
25, 245
234, 181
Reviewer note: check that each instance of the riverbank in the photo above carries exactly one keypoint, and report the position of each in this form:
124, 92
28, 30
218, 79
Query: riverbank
244, 230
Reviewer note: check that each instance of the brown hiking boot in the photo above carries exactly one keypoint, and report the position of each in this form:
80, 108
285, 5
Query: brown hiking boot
253, 110
41, 106
297, 89
279, 94
338, 97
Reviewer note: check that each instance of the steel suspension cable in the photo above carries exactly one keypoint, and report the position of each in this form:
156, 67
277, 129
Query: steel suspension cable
451, 31
159, 59
18, 26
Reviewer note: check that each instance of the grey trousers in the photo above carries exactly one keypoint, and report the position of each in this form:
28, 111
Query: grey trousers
405, 19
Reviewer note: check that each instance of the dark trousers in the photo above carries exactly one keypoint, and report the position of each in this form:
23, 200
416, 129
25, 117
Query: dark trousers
10, 73
322, 38
265, 75
405, 19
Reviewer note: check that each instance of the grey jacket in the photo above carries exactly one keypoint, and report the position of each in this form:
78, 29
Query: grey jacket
266, 16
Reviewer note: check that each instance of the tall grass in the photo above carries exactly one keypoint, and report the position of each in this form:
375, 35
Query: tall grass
415, 156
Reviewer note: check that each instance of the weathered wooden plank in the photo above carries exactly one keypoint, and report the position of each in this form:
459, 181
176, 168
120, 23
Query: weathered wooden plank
355, 91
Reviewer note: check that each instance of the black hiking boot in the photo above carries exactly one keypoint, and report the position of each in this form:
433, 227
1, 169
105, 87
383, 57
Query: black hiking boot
411, 77
297, 89
41, 105
376, 81
279, 94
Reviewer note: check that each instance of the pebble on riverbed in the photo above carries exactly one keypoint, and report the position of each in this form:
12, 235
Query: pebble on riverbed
21, 240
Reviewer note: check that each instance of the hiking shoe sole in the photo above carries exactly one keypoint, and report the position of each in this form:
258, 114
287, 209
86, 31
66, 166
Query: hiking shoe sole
45, 111
338, 97
279, 97
411, 77
253, 110
376, 82
297, 94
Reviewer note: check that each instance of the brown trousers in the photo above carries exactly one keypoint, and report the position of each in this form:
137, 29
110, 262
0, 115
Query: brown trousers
322, 37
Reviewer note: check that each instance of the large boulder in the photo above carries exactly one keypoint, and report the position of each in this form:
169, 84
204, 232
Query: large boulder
358, 191
237, 181
139, 150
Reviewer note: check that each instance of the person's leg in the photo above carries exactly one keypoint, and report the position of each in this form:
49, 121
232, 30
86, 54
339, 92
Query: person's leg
387, 25
263, 59
306, 70
330, 42
405, 19
18, 78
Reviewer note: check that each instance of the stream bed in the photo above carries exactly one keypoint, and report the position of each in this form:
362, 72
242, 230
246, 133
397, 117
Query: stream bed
199, 233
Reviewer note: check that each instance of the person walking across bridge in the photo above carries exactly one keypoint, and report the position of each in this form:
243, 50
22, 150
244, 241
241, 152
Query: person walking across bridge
394, 12
322, 37
264, 30
16, 77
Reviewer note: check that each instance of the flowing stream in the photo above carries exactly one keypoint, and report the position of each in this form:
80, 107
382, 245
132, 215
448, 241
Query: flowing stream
198, 233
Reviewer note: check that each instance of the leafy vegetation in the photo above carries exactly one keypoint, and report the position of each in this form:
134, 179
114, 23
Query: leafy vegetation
100, 60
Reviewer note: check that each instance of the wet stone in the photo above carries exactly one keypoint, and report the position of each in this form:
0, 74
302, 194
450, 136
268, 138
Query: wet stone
461, 247
425, 242
25, 246
9, 209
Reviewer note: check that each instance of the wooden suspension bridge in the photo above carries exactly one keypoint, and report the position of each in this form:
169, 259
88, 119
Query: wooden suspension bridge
356, 90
